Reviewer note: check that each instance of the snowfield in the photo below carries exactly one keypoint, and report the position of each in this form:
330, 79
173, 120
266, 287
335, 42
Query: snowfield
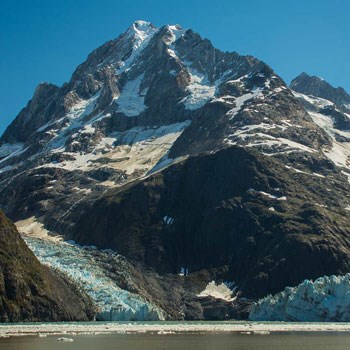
139, 148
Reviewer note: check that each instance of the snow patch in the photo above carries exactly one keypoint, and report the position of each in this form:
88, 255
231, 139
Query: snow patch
316, 101
183, 271
131, 100
168, 220
8, 151
217, 291
141, 33
241, 100
339, 153
199, 89
7, 168
75, 120
271, 196
32, 227
139, 148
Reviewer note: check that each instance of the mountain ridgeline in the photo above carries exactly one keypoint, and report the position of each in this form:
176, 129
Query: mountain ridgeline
171, 164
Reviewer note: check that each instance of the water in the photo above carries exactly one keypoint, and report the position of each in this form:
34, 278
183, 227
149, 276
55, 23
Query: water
232, 341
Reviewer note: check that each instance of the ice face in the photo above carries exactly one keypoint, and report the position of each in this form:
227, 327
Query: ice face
325, 299
79, 265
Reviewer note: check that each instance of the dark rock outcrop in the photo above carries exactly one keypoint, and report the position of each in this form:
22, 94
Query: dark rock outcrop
237, 211
32, 292
315, 86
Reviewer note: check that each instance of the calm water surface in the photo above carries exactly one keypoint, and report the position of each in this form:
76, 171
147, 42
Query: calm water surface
289, 341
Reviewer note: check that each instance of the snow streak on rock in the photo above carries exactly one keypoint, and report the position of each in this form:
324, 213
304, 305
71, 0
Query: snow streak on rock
131, 100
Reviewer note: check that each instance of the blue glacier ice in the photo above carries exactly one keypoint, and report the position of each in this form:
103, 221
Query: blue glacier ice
327, 299
80, 265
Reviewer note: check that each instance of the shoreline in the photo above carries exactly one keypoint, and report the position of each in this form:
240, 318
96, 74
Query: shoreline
47, 329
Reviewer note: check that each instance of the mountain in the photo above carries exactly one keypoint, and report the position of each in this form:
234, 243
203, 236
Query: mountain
329, 108
192, 179
32, 292
318, 87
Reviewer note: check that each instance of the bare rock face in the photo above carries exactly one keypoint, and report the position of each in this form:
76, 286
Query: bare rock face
34, 115
181, 157
315, 86
32, 292
257, 223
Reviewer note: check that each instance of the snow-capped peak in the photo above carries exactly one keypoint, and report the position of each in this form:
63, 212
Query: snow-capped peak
142, 26
141, 33
176, 31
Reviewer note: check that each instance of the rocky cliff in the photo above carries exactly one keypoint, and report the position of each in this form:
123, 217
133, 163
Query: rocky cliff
32, 292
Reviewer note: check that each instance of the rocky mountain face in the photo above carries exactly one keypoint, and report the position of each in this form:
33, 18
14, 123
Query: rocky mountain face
32, 292
328, 109
254, 221
191, 165
318, 87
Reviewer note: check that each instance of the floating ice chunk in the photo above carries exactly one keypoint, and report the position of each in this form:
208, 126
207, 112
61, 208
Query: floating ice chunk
63, 339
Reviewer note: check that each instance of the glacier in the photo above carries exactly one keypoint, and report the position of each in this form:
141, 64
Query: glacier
327, 299
80, 265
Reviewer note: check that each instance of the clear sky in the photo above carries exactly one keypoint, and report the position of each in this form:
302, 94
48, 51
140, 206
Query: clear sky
44, 40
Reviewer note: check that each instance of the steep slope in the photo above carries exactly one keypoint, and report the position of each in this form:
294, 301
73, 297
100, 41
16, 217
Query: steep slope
30, 291
196, 165
137, 104
318, 87
328, 109
261, 224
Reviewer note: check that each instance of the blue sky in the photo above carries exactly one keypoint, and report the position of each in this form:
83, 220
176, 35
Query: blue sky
42, 40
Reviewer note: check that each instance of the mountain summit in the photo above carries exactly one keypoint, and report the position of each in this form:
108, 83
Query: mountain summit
192, 181
318, 87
